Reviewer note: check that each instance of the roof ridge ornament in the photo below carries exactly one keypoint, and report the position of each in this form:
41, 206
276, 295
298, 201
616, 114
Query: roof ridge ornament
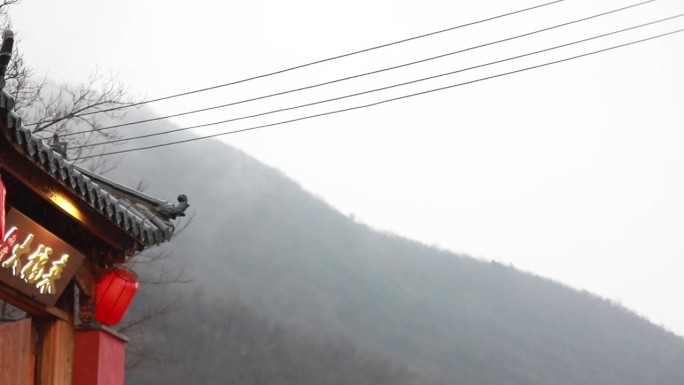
58, 146
166, 210
176, 210
5, 54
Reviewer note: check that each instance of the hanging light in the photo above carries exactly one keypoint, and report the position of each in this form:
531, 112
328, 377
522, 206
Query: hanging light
115, 291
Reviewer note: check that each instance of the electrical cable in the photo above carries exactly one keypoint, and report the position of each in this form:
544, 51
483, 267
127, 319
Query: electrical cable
312, 63
389, 100
358, 75
378, 89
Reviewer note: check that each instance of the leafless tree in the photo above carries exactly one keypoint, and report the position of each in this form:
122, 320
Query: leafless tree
73, 114
144, 324
9, 313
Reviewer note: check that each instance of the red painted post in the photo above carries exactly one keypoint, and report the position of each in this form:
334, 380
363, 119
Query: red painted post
99, 356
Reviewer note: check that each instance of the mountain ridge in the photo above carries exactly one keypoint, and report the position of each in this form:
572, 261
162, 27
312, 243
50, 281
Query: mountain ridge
293, 257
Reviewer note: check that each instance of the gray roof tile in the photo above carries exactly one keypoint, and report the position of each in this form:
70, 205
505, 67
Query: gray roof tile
145, 218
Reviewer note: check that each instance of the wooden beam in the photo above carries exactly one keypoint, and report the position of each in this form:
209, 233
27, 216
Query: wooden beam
27, 304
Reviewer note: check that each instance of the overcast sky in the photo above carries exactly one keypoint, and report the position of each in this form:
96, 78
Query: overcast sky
573, 171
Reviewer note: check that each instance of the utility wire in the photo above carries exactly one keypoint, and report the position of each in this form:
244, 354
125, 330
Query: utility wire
378, 89
359, 75
390, 100
311, 63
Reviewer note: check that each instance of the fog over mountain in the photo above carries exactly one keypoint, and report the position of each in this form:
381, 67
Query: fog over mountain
281, 276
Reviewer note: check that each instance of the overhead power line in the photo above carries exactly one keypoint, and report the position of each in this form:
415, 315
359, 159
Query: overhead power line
391, 99
166, 132
313, 62
360, 75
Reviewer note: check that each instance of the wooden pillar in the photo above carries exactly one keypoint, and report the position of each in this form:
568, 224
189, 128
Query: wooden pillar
56, 352
56, 344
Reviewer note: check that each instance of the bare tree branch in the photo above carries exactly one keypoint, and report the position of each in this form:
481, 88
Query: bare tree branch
76, 113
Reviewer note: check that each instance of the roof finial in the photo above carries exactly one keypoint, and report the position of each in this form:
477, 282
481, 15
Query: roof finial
5, 54
59, 147
172, 211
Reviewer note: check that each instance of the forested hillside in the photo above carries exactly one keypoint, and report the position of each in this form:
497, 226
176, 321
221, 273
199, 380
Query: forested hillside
258, 238
220, 341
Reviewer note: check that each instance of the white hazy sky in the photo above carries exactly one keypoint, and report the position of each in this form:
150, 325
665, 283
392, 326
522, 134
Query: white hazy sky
573, 171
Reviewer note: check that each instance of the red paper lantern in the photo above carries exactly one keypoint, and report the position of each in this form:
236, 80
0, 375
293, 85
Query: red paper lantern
115, 292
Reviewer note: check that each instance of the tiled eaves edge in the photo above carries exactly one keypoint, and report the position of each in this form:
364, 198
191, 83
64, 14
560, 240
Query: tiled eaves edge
119, 211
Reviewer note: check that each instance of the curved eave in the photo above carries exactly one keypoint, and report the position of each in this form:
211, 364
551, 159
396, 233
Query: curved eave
137, 222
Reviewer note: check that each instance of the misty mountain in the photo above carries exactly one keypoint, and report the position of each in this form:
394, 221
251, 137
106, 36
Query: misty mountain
221, 341
259, 238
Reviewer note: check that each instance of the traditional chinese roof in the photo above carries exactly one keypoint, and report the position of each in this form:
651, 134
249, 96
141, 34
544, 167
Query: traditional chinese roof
144, 218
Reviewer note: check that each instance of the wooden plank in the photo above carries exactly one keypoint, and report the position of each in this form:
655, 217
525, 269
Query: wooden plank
17, 360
